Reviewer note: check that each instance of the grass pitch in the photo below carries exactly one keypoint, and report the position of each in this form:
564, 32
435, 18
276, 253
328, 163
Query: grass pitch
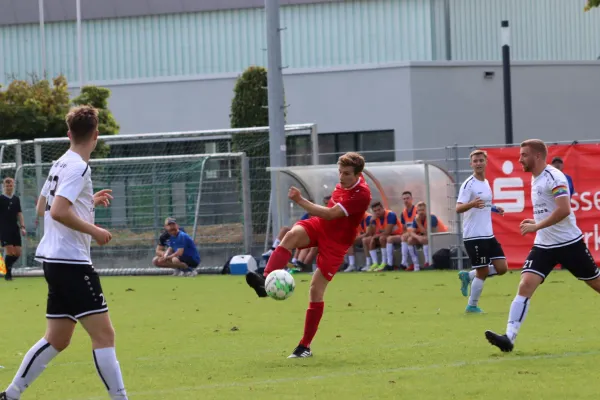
383, 336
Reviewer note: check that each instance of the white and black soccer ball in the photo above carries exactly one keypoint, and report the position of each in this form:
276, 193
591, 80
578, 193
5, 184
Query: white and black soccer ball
280, 284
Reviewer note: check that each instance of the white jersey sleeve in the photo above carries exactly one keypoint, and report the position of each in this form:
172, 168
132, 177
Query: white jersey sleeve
465, 192
72, 182
46, 188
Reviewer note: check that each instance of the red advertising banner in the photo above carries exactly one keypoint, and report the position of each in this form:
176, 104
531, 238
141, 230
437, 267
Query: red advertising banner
512, 190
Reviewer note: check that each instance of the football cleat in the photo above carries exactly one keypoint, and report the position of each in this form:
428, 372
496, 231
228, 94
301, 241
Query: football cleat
301, 352
500, 341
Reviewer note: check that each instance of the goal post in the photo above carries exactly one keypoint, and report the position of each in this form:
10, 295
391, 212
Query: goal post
208, 194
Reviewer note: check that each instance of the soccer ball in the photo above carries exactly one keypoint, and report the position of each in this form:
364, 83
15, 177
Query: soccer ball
280, 284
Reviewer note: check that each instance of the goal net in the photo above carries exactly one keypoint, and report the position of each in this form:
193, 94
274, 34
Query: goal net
206, 193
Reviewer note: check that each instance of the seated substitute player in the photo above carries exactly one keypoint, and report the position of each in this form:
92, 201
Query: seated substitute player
361, 233
418, 234
486, 254
332, 229
406, 219
12, 225
558, 240
182, 254
67, 204
386, 223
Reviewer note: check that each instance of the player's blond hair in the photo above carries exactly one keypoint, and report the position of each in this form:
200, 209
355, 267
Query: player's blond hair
353, 160
8, 179
421, 204
82, 122
537, 146
478, 152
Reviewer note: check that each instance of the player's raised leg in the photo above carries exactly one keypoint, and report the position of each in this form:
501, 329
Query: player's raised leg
102, 334
297, 237
57, 338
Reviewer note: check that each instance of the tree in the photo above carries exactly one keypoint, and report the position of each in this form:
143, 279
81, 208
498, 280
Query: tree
249, 108
591, 4
36, 109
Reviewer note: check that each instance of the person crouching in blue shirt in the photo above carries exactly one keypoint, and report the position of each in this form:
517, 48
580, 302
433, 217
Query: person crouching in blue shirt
182, 254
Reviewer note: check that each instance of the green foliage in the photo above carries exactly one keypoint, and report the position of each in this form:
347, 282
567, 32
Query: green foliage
249, 108
591, 4
249, 105
36, 109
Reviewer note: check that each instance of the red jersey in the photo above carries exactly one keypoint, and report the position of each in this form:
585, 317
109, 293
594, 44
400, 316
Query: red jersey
354, 201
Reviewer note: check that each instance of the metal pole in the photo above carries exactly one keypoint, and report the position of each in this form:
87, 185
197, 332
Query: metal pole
37, 149
197, 211
79, 47
314, 137
276, 99
428, 202
21, 189
269, 217
508, 124
42, 38
448, 30
246, 205
155, 204
458, 216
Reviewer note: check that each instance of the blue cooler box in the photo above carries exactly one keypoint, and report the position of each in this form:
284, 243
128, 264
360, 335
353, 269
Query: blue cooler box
241, 265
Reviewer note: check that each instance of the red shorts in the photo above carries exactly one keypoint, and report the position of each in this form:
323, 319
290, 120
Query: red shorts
331, 253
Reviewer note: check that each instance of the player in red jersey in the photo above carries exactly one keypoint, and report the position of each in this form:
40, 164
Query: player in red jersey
332, 229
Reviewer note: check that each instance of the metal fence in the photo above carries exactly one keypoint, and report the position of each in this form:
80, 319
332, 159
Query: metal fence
208, 203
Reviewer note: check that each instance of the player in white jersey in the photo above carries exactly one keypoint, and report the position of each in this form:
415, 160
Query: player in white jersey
486, 254
67, 204
558, 240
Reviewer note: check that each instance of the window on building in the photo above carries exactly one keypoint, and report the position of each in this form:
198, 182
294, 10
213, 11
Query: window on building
375, 146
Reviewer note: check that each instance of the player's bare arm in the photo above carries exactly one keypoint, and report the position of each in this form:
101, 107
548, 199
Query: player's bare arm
40, 207
22, 223
562, 211
314, 209
62, 212
464, 207
178, 253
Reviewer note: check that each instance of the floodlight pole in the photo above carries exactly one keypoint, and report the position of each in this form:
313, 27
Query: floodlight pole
276, 100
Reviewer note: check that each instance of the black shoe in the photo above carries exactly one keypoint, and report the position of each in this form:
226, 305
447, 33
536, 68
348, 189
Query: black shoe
301, 352
256, 282
8, 277
500, 341
3, 396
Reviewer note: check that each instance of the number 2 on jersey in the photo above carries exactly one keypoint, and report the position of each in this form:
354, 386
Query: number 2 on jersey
53, 184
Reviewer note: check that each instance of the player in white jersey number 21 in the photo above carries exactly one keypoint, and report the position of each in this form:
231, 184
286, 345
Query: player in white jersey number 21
486, 254
558, 240
67, 204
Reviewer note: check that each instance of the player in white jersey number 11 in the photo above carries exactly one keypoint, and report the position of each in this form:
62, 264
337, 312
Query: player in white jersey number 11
67, 203
485, 253
558, 240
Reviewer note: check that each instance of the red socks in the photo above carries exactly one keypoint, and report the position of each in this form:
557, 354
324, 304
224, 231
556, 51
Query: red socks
278, 260
311, 323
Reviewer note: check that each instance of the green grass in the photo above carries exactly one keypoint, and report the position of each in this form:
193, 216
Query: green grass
383, 336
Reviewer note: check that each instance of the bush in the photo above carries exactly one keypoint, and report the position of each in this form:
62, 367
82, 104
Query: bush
249, 108
36, 109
